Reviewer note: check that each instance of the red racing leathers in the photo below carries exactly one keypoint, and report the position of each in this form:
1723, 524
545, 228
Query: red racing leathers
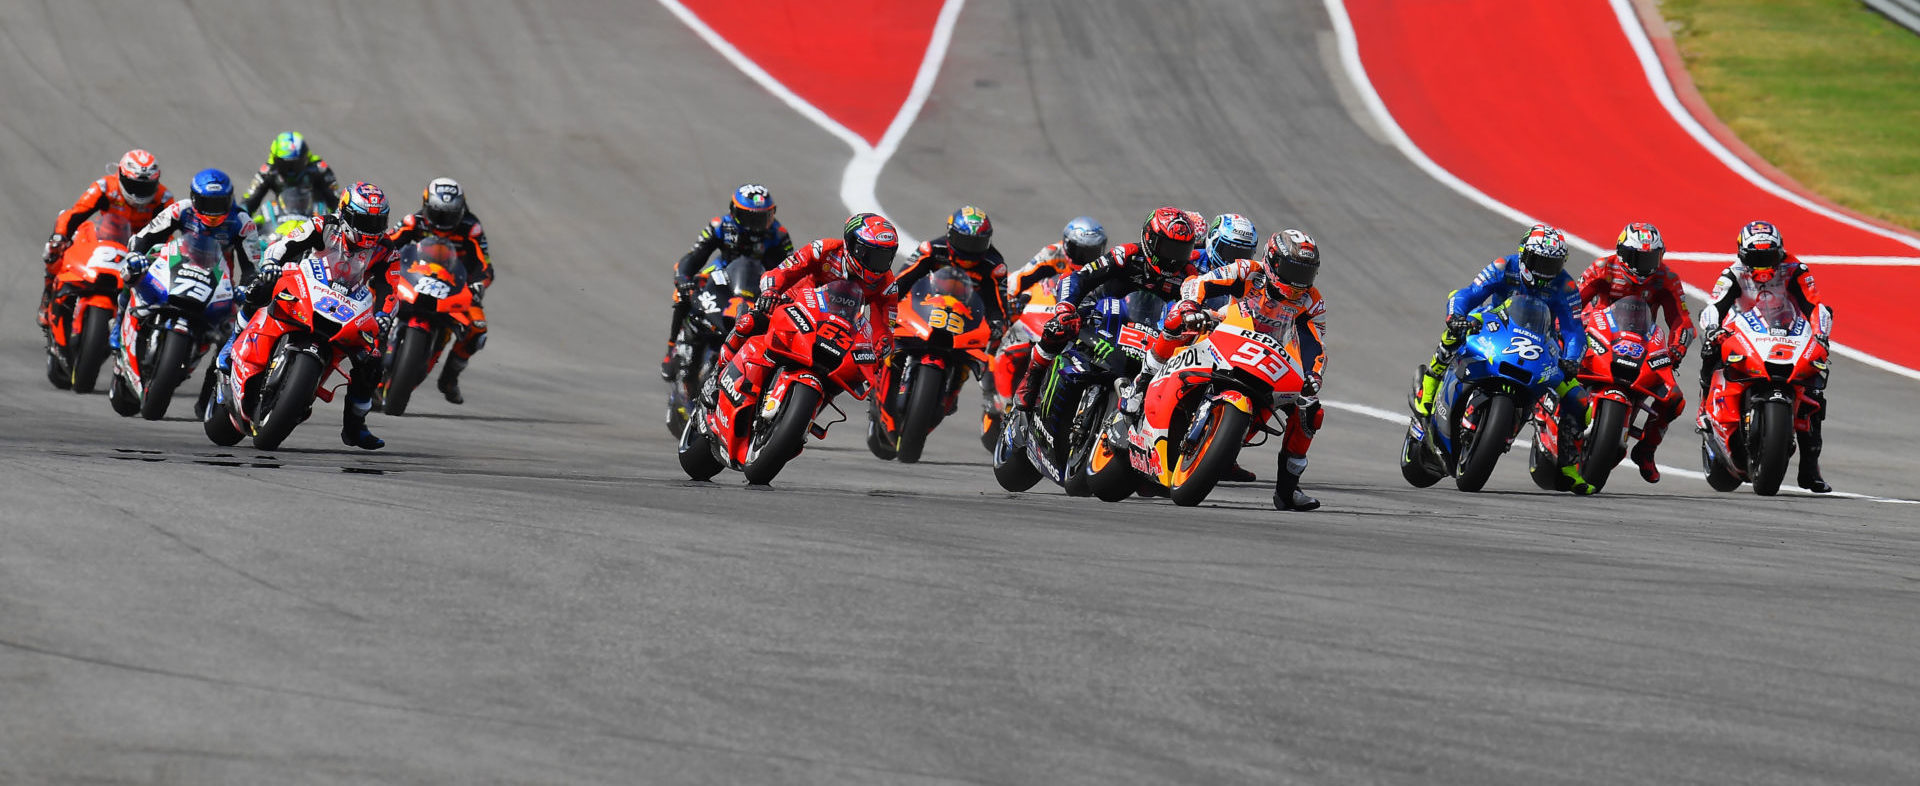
814, 264
1608, 279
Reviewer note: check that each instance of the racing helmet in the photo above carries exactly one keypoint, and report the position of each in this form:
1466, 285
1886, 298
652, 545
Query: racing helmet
1543, 254
443, 203
1083, 240
1231, 236
211, 196
1641, 249
1167, 239
287, 154
1761, 250
752, 207
139, 174
969, 231
872, 242
363, 214
1290, 263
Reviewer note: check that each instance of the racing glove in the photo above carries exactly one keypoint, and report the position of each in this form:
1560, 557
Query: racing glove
1066, 317
136, 267
1311, 387
764, 303
1569, 369
684, 286
1178, 315
479, 290
56, 244
1461, 325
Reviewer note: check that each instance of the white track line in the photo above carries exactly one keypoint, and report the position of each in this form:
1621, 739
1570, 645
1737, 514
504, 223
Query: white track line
858, 182
1818, 259
1357, 72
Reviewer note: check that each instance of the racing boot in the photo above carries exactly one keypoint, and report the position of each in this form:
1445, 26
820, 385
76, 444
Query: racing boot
353, 427
1286, 485
1580, 485
666, 364
1642, 456
1027, 396
1239, 474
450, 379
1429, 387
1810, 479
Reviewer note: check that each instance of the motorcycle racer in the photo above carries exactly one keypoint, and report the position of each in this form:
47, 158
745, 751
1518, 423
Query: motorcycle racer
132, 191
1082, 241
863, 254
968, 246
1636, 268
748, 230
1761, 265
1538, 268
1278, 289
444, 214
207, 210
1159, 263
1230, 237
290, 163
355, 231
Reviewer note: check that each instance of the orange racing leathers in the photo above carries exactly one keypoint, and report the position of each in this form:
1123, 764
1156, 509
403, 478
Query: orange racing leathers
1305, 316
470, 240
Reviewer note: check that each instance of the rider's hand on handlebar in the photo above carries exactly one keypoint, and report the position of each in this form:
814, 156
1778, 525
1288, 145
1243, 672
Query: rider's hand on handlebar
1462, 325
56, 243
1569, 369
765, 302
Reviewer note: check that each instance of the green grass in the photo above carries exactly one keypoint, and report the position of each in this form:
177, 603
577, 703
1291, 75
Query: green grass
1826, 90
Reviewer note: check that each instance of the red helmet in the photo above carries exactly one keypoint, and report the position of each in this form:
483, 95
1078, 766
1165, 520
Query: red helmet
139, 176
1640, 247
872, 242
1167, 238
363, 214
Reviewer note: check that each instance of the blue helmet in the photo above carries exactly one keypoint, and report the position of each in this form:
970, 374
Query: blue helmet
212, 195
1085, 240
752, 207
1231, 236
969, 231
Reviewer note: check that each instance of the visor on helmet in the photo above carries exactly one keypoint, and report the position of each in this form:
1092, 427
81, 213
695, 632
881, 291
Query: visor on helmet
368, 223
752, 220
1542, 266
1165, 252
1293, 272
1642, 263
1757, 258
139, 189
213, 207
1083, 254
875, 259
968, 244
443, 218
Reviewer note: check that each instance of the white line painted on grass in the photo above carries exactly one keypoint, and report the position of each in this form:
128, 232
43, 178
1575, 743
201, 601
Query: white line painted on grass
1357, 72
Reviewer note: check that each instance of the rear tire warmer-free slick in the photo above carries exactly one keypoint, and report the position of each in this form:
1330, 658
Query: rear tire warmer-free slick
168, 367
696, 448
93, 349
1214, 455
924, 408
787, 434
1608, 444
1012, 469
1767, 460
286, 403
1113, 480
1489, 441
409, 369
1413, 462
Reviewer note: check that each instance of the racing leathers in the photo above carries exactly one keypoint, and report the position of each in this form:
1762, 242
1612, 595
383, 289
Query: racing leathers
469, 240
347, 266
314, 174
1609, 279
732, 241
1050, 261
1739, 286
814, 264
103, 196
239, 243
1122, 270
1504, 278
988, 270
1304, 316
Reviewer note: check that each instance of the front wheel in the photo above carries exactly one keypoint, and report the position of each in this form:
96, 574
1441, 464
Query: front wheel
169, 367
1489, 441
924, 409
409, 368
785, 436
286, 402
1194, 476
1607, 444
1767, 455
93, 349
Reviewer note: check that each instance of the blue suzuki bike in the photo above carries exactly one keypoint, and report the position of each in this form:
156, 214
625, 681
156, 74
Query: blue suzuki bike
1492, 383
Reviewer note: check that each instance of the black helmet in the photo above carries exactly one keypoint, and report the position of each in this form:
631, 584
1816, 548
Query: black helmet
969, 231
1291, 260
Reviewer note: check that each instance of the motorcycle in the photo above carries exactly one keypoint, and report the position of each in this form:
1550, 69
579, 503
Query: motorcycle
769, 394
278, 215
1757, 400
1218, 393
1076, 401
1626, 369
1498, 372
283, 357
431, 308
86, 289
725, 288
941, 332
1031, 310
181, 307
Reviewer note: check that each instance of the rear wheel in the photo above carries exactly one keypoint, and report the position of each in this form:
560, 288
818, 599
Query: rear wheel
1413, 462
696, 449
924, 409
1195, 476
1012, 469
786, 435
285, 404
408, 370
1717, 475
1767, 455
219, 426
1489, 441
1545, 473
168, 366
1110, 476
1607, 445
93, 349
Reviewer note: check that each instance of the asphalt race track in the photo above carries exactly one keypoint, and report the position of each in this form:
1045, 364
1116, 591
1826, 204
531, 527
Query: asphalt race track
526, 590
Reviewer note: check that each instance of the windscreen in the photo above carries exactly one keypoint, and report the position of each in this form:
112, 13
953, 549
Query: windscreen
1775, 311
111, 228
1632, 315
201, 250
297, 200
1531, 313
842, 299
1146, 308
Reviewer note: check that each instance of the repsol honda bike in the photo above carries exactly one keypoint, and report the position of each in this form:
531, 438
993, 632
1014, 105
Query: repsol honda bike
1627, 369
1757, 402
182, 306
723, 290
317, 318
769, 393
85, 297
1495, 377
940, 335
432, 307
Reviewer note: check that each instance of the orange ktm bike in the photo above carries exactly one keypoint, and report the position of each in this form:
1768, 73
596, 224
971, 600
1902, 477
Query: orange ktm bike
432, 307
940, 335
86, 290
